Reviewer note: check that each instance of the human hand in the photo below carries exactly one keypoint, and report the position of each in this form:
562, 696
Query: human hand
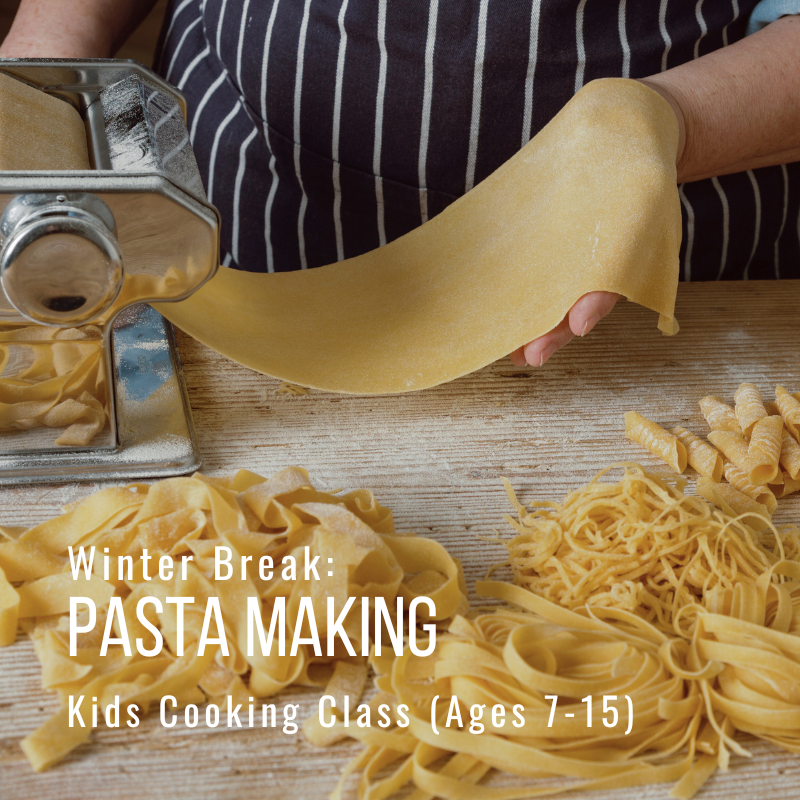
582, 317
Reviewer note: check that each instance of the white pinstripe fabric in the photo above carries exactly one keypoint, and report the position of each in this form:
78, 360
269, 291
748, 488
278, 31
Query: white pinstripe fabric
580, 46
662, 26
623, 40
204, 102
220, 22
237, 193
785, 174
298, 98
242, 29
273, 186
422, 77
337, 119
533, 57
477, 92
427, 99
698, 12
177, 52
175, 16
191, 66
726, 225
756, 226
215, 148
378, 140
735, 8
687, 261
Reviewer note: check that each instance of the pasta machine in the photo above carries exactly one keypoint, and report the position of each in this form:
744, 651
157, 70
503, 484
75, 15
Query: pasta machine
82, 254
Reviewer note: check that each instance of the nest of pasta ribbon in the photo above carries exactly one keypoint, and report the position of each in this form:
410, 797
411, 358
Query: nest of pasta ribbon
687, 699
642, 545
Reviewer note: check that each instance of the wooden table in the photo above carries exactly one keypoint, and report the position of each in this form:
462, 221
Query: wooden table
435, 458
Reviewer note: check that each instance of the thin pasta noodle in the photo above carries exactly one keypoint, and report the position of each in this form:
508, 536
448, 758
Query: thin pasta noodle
789, 407
640, 544
749, 406
658, 441
719, 416
764, 451
701, 456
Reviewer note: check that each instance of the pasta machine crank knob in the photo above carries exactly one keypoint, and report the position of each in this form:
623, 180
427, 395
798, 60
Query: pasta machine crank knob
60, 263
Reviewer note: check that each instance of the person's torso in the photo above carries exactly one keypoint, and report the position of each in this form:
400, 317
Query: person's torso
327, 127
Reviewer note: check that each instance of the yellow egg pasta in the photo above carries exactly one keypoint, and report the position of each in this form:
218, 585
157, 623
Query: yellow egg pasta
749, 406
790, 455
658, 441
701, 456
789, 407
731, 501
732, 445
640, 544
764, 451
737, 478
790, 486
719, 416
53, 378
181, 522
545, 667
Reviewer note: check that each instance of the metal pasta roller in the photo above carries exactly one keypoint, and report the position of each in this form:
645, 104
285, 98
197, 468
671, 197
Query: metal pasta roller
90, 381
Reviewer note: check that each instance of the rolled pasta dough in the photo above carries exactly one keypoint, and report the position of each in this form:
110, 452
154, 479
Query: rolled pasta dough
589, 204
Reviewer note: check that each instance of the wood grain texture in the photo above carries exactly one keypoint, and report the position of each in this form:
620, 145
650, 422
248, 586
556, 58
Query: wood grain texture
435, 458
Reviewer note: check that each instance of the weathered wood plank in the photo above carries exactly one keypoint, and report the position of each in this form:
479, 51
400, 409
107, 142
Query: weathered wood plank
435, 458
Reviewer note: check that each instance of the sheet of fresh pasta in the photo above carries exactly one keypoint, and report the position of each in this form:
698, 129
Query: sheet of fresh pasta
589, 204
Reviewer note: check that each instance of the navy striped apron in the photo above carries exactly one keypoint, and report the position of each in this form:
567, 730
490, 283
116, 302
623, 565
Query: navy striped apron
326, 128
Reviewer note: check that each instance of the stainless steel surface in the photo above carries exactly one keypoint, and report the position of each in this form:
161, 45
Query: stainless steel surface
145, 172
142, 205
155, 434
60, 264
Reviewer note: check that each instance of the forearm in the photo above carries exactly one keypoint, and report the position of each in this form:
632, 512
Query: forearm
72, 28
740, 105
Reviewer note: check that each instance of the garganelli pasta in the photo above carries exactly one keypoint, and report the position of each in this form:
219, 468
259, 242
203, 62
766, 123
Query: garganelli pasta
764, 451
761, 456
731, 500
701, 456
737, 478
179, 518
790, 455
789, 407
732, 445
658, 441
749, 406
719, 416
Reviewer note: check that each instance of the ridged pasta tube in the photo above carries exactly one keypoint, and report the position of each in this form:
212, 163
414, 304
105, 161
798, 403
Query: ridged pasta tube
658, 441
702, 457
764, 451
789, 407
749, 406
719, 416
